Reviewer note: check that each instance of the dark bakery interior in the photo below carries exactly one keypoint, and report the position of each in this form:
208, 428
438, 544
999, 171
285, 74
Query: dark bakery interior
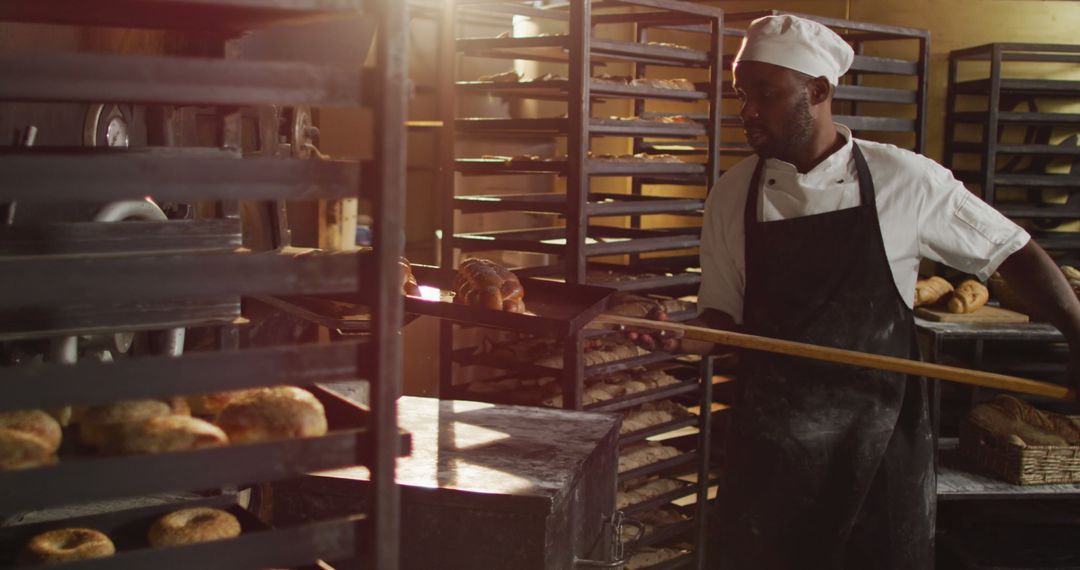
539, 284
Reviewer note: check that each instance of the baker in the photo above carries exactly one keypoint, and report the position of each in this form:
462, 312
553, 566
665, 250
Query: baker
817, 238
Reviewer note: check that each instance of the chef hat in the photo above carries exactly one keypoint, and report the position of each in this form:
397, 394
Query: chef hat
797, 43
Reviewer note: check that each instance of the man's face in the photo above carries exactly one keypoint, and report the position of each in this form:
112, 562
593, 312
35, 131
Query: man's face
776, 111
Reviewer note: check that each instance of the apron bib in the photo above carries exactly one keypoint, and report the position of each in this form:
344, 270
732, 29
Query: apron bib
829, 466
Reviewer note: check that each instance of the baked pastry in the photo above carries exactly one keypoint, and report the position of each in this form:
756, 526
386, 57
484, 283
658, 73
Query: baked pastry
930, 291
273, 413
67, 545
641, 455
99, 423
162, 434
22, 450
409, 286
648, 557
35, 422
647, 491
968, 297
652, 414
486, 284
212, 404
189, 526
1017, 421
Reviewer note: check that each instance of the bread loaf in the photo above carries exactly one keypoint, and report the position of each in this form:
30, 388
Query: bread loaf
486, 284
930, 291
1012, 419
968, 297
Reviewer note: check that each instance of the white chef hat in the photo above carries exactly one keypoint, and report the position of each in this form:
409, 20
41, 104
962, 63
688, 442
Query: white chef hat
797, 43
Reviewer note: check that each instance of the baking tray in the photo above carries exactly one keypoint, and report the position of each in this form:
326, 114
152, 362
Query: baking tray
471, 356
555, 309
598, 204
660, 501
601, 240
258, 546
593, 166
346, 313
665, 466
561, 126
103, 477
555, 48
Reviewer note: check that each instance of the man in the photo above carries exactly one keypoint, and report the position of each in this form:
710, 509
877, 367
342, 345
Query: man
818, 239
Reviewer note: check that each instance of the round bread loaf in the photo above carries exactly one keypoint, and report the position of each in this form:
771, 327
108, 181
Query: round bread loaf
161, 434
67, 545
189, 526
22, 450
484, 283
36, 422
273, 413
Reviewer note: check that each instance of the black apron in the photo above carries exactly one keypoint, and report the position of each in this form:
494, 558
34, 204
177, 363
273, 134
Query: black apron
829, 466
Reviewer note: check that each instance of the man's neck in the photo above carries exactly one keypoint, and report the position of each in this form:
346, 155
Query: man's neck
826, 141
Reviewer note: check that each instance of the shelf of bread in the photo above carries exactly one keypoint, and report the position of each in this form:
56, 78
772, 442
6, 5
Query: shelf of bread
91, 383
660, 526
611, 126
1036, 87
67, 175
555, 48
599, 204
660, 559
212, 532
88, 77
600, 240
644, 495
654, 418
197, 15
138, 447
630, 165
672, 464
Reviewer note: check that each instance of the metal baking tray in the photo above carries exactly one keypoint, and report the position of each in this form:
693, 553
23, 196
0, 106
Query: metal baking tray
595, 167
601, 240
598, 204
557, 89
554, 309
81, 476
298, 547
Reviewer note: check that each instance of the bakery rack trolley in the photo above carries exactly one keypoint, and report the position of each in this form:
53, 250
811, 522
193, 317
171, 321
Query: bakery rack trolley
98, 277
1011, 131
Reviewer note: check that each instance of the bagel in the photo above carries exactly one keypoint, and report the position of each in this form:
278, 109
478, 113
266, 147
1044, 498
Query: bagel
99, 423
161, 434
35, 422
22, 450
189, 526
273, 413
66, 545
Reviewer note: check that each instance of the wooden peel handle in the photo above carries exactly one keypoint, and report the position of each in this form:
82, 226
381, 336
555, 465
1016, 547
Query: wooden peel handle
843, 356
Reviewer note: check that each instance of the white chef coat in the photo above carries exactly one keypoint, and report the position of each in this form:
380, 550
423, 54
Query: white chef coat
924, 212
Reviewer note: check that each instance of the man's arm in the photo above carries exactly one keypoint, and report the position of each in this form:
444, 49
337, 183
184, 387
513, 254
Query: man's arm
1038, 280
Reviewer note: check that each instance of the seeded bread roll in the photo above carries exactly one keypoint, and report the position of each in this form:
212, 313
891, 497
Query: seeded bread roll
22, 450
100, 423
66, 545
190, 526
273, 413
162, 434
34, 422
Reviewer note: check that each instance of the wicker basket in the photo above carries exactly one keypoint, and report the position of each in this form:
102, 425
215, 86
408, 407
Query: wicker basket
1030, 465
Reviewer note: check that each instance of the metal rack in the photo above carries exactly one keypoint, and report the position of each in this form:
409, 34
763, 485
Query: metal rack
641, 264
1006, 134
95, 277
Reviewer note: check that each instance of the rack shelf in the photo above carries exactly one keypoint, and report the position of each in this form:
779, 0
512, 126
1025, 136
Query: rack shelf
101, 78
198, 15
998, 130
175, 175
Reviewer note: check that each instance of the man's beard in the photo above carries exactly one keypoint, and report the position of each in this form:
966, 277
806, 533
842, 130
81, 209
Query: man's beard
796, 134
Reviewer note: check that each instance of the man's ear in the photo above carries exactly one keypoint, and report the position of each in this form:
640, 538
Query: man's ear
819, 89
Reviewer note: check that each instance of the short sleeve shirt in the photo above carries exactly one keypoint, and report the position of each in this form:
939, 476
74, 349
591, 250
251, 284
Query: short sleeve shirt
924, 212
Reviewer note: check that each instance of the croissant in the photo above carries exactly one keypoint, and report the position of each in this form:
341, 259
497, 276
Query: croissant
930, 291
968, 297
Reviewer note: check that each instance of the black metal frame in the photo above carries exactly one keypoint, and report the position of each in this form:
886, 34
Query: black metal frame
1000, 91
581, 52
196, 264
